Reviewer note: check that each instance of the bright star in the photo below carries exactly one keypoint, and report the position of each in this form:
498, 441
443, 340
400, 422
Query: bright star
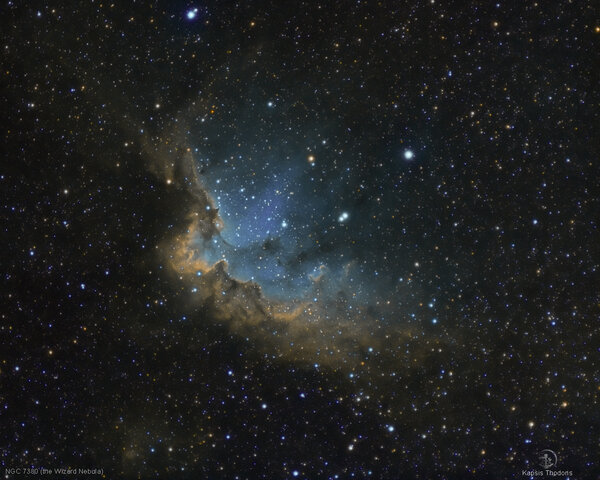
191, 14
343, 217
408, 154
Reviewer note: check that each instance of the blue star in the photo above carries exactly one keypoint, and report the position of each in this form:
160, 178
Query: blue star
343, 217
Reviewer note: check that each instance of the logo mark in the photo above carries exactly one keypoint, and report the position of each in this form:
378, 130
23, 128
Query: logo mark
548, 459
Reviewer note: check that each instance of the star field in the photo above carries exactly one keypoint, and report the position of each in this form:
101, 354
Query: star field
312, 240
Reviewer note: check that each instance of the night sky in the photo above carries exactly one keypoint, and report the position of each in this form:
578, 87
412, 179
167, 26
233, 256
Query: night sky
314, 240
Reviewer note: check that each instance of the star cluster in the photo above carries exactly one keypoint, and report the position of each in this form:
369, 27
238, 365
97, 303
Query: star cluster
273, 240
